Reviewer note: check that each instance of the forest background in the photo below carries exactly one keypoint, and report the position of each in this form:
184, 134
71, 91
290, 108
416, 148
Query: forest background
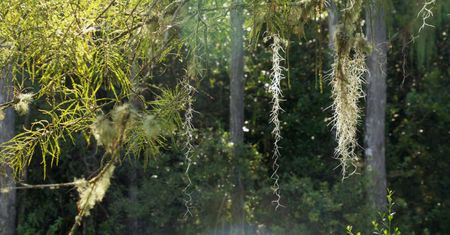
191, 43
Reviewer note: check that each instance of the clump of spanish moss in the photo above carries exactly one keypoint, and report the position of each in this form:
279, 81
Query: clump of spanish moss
275, 89
92, 192
150, 126
107, 129
347, 89
103, 131
2, 114
22, 104
347, 78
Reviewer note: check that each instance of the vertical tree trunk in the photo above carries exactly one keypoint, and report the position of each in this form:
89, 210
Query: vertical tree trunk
133, 223
7, 198
136, 103
332, 22
237, 111
376, 105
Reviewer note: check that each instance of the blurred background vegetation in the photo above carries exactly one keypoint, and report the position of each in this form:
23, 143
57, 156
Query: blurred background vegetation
149, 200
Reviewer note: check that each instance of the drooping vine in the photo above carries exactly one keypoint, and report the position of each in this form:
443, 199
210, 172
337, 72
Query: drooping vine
425, 13
347, 78
276, 76
188, 128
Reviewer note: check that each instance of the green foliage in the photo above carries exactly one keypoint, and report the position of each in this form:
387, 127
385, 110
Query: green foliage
283, 17
46, 135
154, 202
147, 131
385, 224
407, 20
91, 62
77, 58
316, 207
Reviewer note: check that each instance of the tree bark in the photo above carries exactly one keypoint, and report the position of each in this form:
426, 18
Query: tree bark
133, 222
7, 199
237, 112
332, 23
376, 106
133, 189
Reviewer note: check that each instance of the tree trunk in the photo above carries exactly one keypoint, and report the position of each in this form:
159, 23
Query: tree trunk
237, 111
133, 222
136, 103
376, 105
332, 22
7, 198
